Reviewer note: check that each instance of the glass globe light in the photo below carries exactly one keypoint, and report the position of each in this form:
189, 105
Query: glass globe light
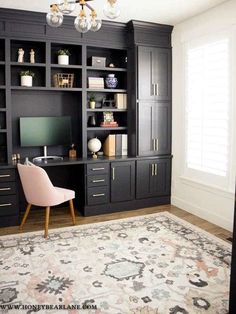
96, 24
82, 24
66, 6
111, 9
54, 18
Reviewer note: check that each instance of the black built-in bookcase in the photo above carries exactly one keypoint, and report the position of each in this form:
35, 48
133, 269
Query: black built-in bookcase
121, 178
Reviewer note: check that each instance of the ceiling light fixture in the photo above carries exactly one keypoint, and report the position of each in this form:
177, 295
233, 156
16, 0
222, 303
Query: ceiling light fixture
82, 23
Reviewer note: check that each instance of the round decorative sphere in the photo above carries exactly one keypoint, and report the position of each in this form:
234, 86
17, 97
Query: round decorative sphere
111, 81
94, 145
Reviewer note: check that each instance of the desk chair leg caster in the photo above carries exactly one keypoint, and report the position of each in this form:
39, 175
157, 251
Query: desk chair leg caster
25, 216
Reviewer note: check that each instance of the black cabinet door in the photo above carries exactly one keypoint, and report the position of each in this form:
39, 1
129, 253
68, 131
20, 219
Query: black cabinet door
153, 178
154, 73
122, 181
154, 128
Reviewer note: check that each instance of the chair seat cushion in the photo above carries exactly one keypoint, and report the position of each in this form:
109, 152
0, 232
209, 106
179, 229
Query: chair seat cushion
67, 194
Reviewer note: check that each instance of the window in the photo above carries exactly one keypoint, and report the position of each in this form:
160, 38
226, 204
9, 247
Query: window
208, 111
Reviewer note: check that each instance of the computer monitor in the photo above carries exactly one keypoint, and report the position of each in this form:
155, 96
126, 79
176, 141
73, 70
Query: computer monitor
45, 131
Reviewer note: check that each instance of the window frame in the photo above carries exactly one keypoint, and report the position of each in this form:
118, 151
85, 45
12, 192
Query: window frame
226, 183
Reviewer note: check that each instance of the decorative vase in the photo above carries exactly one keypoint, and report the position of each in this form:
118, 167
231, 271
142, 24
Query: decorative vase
92, 104
111, 81
26, 80
63, 59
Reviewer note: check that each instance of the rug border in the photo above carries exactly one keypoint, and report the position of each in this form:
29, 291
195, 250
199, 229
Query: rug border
114, 221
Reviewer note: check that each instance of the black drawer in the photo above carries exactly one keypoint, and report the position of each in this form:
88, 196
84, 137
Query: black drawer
7, 188
98, 195
7, 175
8, 205
99, 180
97, 168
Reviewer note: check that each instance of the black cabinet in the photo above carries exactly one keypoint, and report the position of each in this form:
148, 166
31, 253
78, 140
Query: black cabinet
154, 73
153, 178
154, 128
122, 181
9, 211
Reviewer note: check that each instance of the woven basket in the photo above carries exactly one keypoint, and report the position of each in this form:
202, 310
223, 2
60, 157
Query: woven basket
64, 80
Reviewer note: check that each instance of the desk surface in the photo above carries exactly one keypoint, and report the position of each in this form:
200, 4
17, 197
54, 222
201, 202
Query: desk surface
69, 161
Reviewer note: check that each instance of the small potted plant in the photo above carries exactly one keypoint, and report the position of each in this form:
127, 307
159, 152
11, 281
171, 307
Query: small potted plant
92, 102
26, 78
63, 56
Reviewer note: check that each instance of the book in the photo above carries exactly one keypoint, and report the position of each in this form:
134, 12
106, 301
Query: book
120, 101
124, 145
118, 144
109, 146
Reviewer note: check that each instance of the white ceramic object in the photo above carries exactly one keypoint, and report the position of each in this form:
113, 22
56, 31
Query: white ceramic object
92, 104
63, 59
26, 80
94, 145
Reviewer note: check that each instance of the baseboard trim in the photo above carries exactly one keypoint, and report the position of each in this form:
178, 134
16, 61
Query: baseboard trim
203, 213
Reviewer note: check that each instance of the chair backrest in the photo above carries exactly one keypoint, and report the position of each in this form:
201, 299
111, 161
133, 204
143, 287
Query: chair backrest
37, 187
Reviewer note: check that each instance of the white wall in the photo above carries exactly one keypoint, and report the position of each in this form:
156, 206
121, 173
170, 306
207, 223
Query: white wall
208, 202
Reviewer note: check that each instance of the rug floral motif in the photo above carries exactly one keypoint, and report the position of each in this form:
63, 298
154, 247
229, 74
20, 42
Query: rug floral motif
153, 264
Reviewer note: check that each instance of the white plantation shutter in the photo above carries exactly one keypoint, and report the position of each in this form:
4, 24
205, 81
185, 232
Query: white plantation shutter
208, 107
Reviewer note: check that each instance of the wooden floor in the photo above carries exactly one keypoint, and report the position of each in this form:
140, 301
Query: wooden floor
61, 218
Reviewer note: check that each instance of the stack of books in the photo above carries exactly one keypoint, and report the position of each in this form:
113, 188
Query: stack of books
116, 145
120, 101
110, 124
96, 82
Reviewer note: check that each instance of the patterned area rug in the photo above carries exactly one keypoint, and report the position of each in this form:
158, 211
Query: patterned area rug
153, 264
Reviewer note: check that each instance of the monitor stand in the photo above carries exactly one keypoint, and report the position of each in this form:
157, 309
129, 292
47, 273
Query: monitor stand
45, 156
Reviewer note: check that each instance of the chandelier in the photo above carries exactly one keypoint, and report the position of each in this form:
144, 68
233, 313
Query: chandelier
83, 23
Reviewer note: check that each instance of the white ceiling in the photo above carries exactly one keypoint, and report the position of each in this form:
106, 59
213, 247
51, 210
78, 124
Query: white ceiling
159, 11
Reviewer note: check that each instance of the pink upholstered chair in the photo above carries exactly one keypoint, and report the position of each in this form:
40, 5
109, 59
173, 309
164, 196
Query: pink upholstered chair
39, 191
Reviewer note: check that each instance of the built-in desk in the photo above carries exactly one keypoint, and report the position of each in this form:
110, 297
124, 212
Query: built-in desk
103, 185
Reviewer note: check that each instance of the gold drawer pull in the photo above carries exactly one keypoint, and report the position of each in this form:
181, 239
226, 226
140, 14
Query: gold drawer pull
6, 204
4, 175
97, 181
5, 189
99, 195
97, 169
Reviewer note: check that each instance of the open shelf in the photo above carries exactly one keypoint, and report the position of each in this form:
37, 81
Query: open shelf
2, 51
108, 69
2, 100
76, 71
106, 90
38, 47
28, 64
69, 66
75, 57
38, 79
106, 109
116, 56
99, 128
46, 88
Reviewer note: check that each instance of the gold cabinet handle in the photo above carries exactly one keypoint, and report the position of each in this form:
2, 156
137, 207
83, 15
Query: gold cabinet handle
99, 195
4, 175
5, 205
98, 169
155, 169
97, 181
113, 174
154, 144
5, 189
157, 144
152, 170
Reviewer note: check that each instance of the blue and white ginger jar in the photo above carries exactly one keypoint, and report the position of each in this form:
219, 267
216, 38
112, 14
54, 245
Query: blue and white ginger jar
111, 81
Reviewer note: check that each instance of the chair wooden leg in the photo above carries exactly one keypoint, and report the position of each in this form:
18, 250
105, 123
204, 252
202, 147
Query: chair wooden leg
72, 211
46, 222
25, 216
